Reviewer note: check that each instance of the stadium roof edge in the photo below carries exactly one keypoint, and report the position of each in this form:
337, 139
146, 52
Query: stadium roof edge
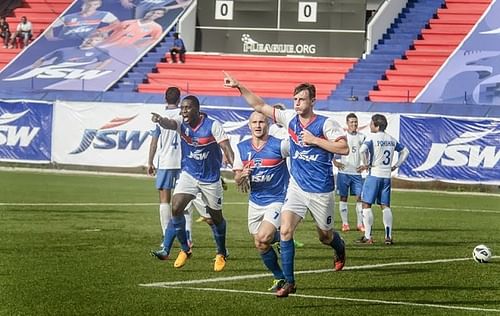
466, 110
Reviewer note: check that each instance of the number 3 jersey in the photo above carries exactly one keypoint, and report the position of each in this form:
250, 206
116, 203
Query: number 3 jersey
168, 151
380, 147
269, 176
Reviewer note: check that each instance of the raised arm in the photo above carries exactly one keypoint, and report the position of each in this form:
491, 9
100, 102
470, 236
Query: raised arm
164, 122
256, 102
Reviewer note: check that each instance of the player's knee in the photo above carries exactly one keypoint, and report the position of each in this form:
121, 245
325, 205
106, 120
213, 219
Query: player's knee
216, 215
286, 233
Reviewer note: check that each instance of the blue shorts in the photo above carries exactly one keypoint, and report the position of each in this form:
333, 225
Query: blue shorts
167, 178
349, 183
377, 190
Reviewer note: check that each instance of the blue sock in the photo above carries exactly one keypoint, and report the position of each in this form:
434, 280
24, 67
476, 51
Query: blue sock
287, 258
168, 240
270, 260
179, 223
219, 232
338, 244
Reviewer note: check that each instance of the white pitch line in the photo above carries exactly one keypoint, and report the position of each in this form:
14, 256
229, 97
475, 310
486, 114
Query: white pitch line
238, 203
263, 275
178, 285
337, 298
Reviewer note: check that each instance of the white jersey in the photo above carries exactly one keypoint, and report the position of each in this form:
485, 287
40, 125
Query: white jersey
380, 147
168, 152
353, 160
278, 131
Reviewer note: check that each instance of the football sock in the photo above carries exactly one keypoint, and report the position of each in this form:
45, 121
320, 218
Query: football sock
343, 212
368, 222
387, 218
287, 258
219, 232
337, 244
189, 225
165, 215
270, 260
359, 213
180, 231
170, 234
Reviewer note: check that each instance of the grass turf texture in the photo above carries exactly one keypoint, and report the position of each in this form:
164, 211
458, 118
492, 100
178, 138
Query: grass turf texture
89, 259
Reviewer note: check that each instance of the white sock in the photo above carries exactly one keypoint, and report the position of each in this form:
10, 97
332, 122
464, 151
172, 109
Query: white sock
359, 213
368, 222
165, 215
189, 224
387, 216
343, 212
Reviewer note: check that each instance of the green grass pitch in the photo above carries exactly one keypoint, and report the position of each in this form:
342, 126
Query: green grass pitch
79, 245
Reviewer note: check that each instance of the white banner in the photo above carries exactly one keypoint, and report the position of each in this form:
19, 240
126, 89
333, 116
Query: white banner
102, 134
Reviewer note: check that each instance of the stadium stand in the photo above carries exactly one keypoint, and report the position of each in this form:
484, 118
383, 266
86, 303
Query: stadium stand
41, 13
267, 76
398, 38
409, 74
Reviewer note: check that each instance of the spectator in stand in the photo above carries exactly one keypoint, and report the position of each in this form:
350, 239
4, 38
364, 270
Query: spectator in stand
178, 48
23, 31
4, 31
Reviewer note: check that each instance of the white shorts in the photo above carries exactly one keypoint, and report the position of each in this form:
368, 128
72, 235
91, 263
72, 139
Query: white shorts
269, 213
198, 206
211, 193
319, 204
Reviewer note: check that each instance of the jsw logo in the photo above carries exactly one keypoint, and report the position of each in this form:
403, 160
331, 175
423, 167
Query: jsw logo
78, 30
262, 178
304, 155
11, 135
198, 155
107, 139
457, 153
64, 70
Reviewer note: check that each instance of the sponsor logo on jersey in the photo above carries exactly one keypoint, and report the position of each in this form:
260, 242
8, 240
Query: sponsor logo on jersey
198, 154
304, 155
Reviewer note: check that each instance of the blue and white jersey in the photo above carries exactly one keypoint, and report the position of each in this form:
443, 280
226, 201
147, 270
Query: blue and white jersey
380, 147
353, 160
144, 6
77, 26
168, 150
201, 153
311, 166
269, 177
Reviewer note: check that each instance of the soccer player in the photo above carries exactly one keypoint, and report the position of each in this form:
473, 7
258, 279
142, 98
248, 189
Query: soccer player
80, 25
349, 179
143, 6
314, 139
164, 161
202, 140
380, 148
261, 162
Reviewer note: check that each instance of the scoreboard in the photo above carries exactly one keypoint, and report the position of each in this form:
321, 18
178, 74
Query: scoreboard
282, 27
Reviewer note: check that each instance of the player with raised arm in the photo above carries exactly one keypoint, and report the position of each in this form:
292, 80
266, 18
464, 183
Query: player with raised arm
349, 180
314, 139
202, 140
261, 162
378, 149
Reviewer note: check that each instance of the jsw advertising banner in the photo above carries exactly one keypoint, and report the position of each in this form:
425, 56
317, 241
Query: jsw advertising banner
472, 74
25, 131
117, 135
92, 44
451, 149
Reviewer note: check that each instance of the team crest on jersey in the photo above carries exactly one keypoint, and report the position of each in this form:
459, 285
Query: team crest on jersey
257, 162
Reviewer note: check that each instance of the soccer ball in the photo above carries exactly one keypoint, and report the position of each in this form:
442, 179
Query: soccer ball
481, 254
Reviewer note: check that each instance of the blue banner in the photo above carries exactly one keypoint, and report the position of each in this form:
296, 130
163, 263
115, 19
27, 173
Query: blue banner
472, 74
451, 149
92, 45
25, 131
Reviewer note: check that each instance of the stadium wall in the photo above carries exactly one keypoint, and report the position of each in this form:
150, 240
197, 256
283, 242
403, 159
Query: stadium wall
115, 135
